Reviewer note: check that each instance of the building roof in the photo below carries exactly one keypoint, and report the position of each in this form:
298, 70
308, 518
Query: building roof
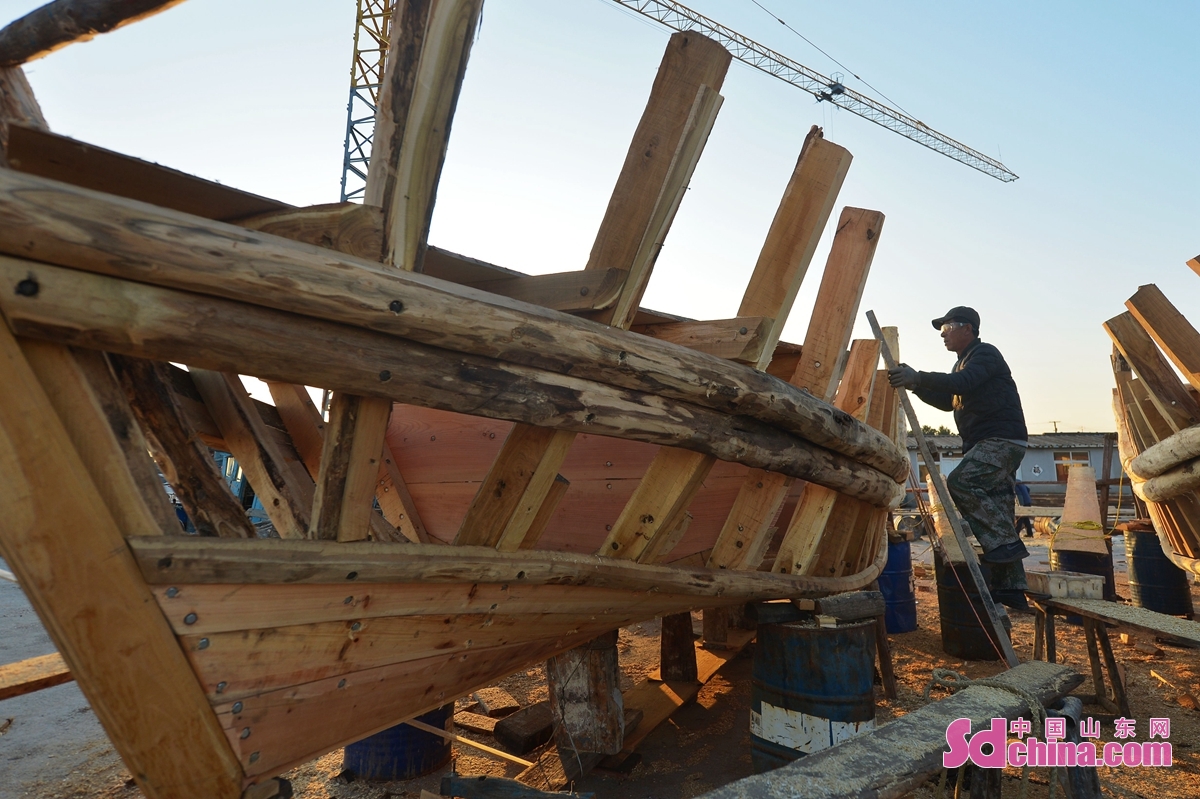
1038, 441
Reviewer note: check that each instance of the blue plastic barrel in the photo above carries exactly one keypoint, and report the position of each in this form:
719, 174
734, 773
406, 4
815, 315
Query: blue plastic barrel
899, 591
1155, 583
401, 752
812, 688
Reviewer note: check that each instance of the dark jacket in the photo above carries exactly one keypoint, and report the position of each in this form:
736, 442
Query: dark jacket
982, 394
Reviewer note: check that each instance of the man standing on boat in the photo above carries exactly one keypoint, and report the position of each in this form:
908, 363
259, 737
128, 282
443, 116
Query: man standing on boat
987, 410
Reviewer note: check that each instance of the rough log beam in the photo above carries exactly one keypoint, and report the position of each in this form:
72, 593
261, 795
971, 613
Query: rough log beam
62, 22
57, 223
135, 319
184, 560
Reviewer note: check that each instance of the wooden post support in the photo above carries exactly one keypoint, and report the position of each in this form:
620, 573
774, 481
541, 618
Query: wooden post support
70, 556
585, 698
17, 106
997, 632
350, 463
677, 649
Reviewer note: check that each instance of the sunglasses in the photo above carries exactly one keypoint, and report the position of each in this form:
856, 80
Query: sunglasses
948, 326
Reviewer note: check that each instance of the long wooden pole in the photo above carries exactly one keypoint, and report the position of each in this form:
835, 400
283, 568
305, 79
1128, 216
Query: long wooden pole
952, 516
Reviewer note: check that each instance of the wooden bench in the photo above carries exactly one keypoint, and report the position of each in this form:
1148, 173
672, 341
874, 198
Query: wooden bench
1097, 614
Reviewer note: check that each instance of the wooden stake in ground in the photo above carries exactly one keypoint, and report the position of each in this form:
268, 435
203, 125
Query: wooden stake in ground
943, 494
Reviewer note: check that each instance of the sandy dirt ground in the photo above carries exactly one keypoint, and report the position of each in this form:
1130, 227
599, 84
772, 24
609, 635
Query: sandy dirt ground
53, 746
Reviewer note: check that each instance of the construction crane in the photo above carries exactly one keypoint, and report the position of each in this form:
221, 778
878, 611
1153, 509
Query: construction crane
681, 18
371, 31
370, 51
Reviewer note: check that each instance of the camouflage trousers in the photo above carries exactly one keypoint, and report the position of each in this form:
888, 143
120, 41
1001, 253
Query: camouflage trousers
983, 487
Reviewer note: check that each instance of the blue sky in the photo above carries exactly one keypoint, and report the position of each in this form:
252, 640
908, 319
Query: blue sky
1092, 104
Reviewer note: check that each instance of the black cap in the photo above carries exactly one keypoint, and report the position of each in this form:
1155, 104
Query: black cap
959, 313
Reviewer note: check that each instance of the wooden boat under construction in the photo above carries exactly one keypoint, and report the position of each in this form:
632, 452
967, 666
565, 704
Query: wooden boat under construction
510, 466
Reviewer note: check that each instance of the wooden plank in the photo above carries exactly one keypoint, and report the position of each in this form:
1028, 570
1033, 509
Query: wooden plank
1167, 392
429, 728
62, 22
346, 227
527, 729
186, 462
396, 501
745, 532
69, 554
297, 724
93, 407
223, 608
350, 463
1182, 631
226, 336
901, 755
538, 526
152, 246
664, 544
243, 663
427, 59
794, 233
48, 155
34, 674
1171, 331
658, 165
286, 494
821, 366
739, 339
581, 290
658, 503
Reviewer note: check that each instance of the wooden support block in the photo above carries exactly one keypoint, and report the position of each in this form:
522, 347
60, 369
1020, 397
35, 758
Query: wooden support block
553, 497
186, 462
665, 542
396, 501
476, 722
350, 463
581, 290
677, 649
34, 674
1171, 331
527, 729
746, 532
556, 770
70, 556
1165, 390
739, 339
496, 702
853, 605
346, 227
716, 623
286, 495
61, 22
585, 697
96, 413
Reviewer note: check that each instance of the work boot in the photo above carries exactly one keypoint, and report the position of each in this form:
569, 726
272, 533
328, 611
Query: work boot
1007, 553
1012, 597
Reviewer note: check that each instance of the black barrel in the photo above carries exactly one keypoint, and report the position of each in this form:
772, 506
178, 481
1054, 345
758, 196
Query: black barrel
963, 632
1095, 563
812, 688
896, 585
1155, 583
402, 752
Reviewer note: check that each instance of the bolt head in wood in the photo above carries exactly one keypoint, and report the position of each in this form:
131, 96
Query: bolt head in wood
356, 626
395, 306
237, 708
29, 287
221, 686
172, 592
202, 644
191, 618
245, 733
